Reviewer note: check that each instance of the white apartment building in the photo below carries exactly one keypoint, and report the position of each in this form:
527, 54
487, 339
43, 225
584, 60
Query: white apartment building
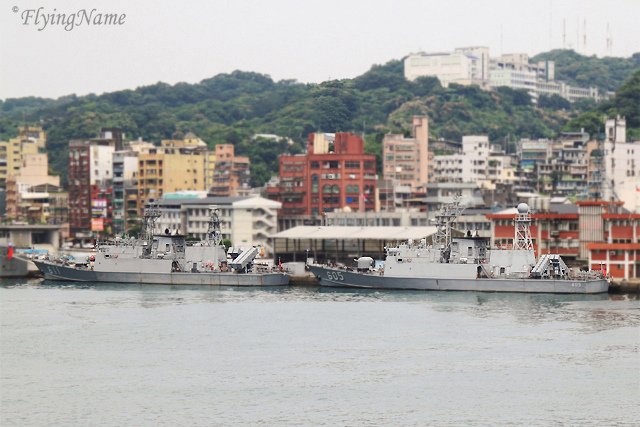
470, 165
570, 93
515, 71
480, 61
464, 66
622, 165
246, 221
475, 150
101, 164
472, 65
478, 163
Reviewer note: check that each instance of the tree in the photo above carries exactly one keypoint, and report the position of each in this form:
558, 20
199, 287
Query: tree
554, 102
226, 243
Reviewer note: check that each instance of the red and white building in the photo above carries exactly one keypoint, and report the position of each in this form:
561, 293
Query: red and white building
619, 253
598, 233
90, 179
551, 232
335, 173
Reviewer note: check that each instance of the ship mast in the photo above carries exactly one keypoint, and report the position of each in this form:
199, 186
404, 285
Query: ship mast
444, 222
151, 215
522, 237
214, 236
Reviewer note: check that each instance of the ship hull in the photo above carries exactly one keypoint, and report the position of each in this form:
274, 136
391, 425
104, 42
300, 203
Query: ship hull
53, 271
335, 277
14, 267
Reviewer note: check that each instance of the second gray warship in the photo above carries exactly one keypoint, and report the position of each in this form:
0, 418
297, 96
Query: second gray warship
465, 264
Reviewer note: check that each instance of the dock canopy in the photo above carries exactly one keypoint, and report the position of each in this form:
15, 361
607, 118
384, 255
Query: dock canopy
342, 243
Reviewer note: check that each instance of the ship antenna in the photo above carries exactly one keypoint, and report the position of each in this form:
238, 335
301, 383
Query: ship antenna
444, 223
522, 238
213, 232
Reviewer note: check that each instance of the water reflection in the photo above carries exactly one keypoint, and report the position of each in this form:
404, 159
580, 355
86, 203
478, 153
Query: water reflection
593, 312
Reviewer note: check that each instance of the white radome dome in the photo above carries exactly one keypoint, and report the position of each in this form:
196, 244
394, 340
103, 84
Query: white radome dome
523, 208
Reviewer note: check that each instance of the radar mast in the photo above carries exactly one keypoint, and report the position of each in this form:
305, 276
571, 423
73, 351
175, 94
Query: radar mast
444, 223
522, 238
214, 236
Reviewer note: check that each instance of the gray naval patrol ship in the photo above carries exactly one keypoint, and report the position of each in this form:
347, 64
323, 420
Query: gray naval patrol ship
466, 264
166, 259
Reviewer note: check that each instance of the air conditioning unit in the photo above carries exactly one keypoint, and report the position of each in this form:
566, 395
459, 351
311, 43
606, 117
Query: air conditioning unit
330, 176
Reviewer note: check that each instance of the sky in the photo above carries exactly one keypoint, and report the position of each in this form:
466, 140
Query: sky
305, 40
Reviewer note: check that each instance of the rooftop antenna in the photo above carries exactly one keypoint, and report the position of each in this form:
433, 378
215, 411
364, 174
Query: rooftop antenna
564, 33
577, 34
609, 41
550, 24
584, 35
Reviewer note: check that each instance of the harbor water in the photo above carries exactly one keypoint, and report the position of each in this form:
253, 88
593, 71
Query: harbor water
159, 355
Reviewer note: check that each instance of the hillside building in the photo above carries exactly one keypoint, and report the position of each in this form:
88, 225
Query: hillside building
176, 165
335, 173
90, 182
30, 140
464, 66
125, 185
621, 165
405, 161
467, 66
231, 175
29, 169
477, 162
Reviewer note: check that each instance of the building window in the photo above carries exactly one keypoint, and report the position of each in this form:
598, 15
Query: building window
314, 183
352, 164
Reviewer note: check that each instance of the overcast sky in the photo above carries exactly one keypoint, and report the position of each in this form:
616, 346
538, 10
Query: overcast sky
306, 40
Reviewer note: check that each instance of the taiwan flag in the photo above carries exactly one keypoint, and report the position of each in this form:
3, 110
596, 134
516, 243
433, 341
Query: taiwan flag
10, 252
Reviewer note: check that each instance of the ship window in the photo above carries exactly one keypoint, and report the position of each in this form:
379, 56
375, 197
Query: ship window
400, 260
502, 270
166, 247
469, 251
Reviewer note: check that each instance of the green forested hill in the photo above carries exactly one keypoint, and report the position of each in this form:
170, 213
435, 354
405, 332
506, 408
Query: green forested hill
626, 102
606, 73
232, 107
